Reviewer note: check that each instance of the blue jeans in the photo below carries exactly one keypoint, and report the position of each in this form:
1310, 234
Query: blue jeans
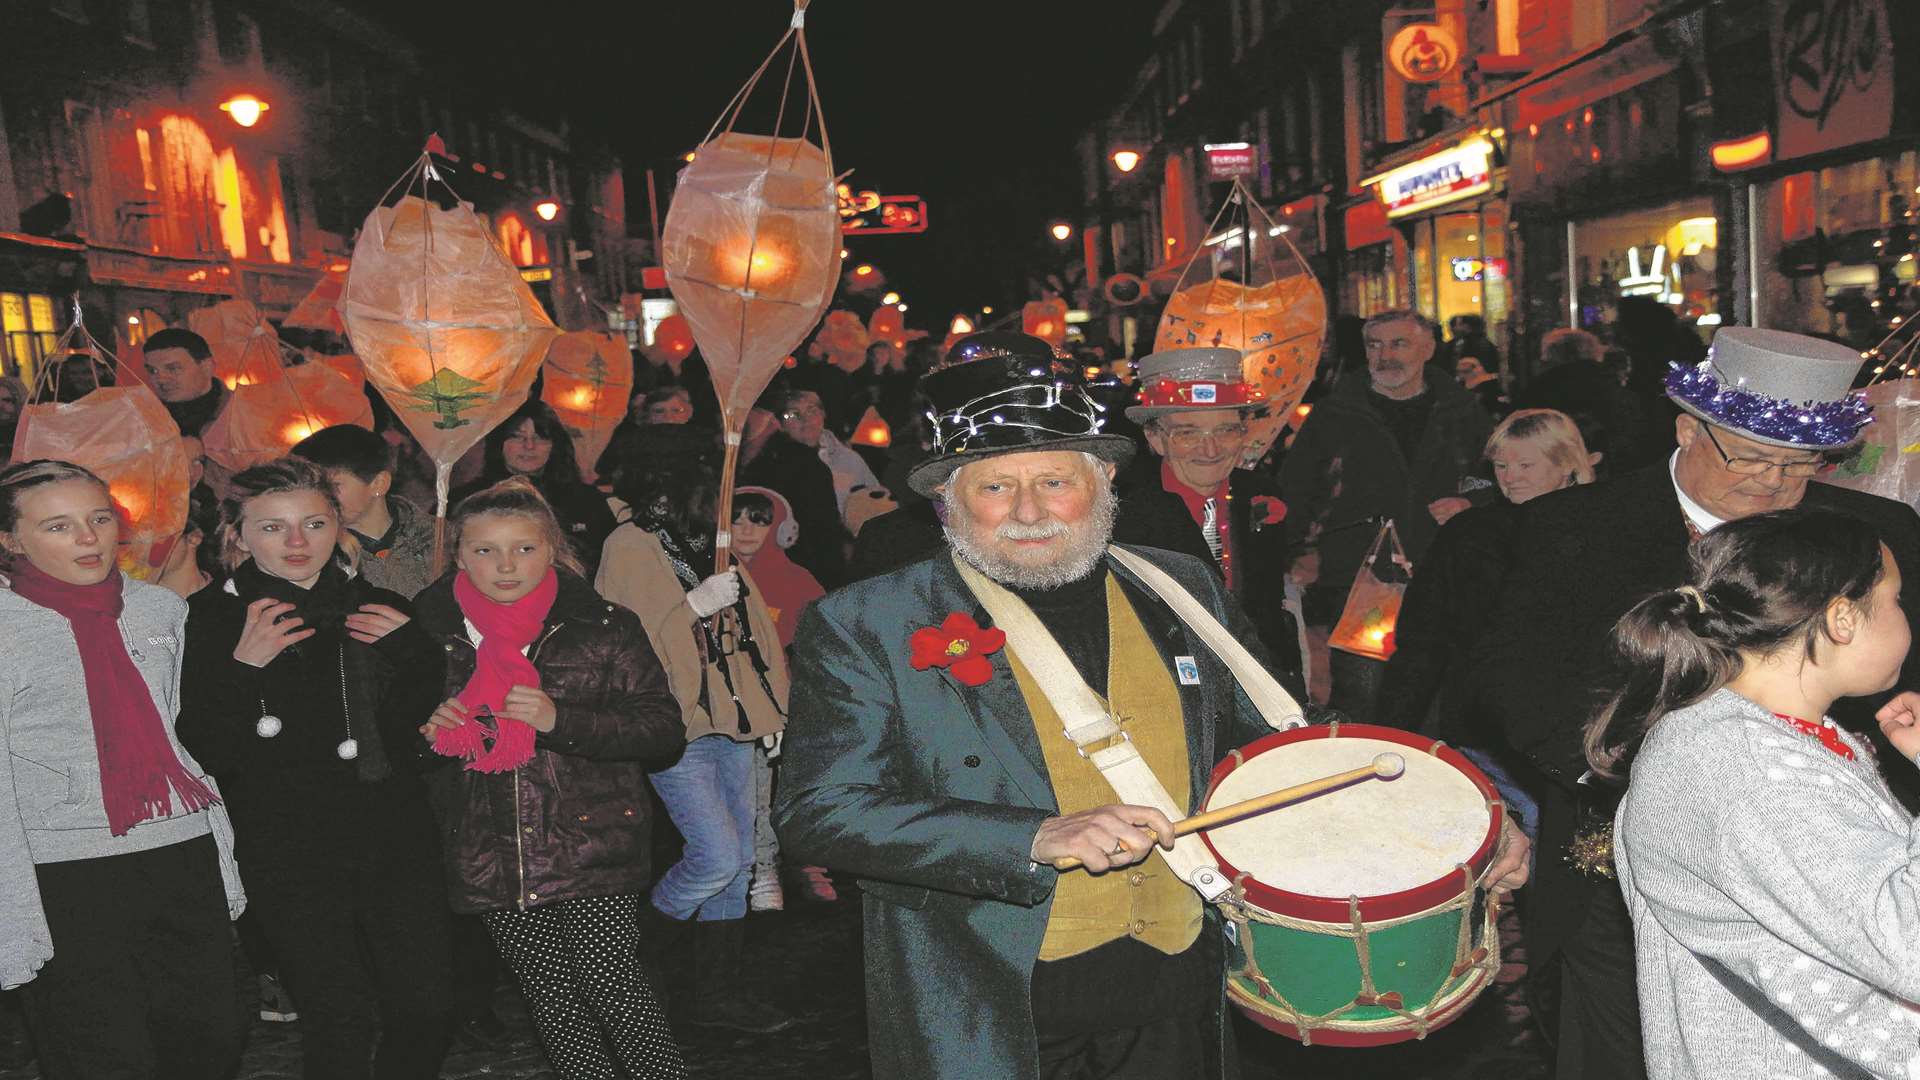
709, 796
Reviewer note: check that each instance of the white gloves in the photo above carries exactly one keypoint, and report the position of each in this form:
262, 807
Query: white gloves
714, 594
773, 743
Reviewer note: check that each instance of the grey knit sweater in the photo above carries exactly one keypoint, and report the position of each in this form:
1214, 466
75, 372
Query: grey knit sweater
50, 804
1775, 893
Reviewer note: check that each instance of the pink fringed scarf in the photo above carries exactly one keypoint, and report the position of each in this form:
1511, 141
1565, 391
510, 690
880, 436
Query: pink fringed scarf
139, 772
505, 630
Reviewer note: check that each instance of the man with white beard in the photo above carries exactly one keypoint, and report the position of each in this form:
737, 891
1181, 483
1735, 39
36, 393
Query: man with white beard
937, 750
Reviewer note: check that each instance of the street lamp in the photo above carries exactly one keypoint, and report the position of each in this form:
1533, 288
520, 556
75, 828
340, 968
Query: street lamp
1061, 231
1126, 160
245, 109
960, 325
547, 209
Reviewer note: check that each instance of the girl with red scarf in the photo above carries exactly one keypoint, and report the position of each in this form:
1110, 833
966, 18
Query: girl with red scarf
302, 687
116, 870
557, 708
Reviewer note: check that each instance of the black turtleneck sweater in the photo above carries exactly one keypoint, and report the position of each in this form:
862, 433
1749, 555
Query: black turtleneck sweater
196, 414
1076, 615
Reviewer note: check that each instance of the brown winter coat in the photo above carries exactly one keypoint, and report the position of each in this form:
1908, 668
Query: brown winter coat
575, 821
635, 573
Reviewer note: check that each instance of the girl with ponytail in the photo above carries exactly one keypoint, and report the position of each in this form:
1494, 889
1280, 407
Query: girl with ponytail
1773, 879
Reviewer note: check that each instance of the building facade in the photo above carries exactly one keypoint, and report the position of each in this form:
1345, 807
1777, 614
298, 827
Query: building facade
160, 155
1606, 164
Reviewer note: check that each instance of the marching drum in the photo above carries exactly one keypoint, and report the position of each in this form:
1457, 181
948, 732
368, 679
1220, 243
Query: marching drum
1361, 915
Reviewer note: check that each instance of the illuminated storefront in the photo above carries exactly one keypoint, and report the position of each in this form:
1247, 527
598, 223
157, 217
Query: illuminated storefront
1452, 217
1668, 254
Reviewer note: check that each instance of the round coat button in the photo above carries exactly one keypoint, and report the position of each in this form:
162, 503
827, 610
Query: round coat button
972, 761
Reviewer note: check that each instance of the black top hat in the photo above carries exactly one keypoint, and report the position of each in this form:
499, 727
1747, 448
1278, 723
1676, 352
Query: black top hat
1002, 392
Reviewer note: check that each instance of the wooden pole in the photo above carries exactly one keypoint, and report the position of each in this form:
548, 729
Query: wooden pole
1383, 766
723, 504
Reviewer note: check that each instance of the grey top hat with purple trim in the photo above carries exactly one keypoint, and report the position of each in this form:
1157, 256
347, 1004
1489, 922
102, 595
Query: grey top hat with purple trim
1185, 380
1775, 388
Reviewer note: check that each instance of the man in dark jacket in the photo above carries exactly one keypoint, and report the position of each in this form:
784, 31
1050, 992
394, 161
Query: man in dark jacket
1404, 446
1194, 407
935, 769
1586, 555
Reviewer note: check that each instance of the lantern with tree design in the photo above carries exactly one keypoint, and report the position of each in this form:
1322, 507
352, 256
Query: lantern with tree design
448, 332
588, 381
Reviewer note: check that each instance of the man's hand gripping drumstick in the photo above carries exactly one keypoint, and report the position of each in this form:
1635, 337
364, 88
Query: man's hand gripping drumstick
1122, 835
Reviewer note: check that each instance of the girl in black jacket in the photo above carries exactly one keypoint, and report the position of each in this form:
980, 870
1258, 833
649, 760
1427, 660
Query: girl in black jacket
297, 680
558, 705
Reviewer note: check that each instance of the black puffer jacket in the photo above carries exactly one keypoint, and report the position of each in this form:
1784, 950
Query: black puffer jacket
575, 821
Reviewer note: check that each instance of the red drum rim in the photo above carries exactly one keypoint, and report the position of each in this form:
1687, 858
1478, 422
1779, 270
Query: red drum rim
1334, 909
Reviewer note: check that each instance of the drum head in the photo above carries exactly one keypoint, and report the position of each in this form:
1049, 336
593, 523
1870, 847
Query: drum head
1375, 838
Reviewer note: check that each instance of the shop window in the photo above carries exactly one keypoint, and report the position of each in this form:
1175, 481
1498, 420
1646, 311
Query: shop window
28, 332
1372, 283
1667, 255
233, 221
1835, 249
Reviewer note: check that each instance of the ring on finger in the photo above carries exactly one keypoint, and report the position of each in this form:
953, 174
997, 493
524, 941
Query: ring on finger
1119, 848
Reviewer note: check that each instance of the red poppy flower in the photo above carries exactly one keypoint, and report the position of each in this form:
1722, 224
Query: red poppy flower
1268, 510
960, 646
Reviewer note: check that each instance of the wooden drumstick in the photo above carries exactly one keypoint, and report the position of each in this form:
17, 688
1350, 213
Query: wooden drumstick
1383, 766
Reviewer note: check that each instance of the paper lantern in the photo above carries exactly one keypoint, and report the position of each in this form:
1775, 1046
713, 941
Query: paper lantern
751, 252
346, 364
246, 348
1253, 292
842, 341
1372, 634
264, 420
888, 325
589, 379
672, 341
872, 429
449, 333
1046, 320
126, 437
320, 310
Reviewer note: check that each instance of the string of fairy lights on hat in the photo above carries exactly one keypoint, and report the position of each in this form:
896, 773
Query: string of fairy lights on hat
1013, 407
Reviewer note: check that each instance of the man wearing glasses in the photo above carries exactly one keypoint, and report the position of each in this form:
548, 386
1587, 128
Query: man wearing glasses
1762, 417
1194, 407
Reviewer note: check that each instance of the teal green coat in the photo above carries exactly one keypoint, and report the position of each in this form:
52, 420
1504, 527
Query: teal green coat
931, 793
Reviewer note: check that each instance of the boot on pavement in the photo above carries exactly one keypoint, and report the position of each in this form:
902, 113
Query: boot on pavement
720, 994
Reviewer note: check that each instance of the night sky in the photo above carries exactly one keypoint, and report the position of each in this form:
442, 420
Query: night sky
975, 106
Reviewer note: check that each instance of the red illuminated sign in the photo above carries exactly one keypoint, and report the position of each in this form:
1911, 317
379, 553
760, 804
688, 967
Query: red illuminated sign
1227, 161
884, 215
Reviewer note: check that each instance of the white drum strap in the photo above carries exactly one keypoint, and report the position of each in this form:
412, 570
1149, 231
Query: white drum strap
1088, 723
1276, 706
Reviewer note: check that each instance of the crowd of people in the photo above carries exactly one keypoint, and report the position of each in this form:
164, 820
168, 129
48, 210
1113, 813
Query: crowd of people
402, 752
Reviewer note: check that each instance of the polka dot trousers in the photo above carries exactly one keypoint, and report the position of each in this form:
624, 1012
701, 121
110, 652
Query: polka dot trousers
579, 969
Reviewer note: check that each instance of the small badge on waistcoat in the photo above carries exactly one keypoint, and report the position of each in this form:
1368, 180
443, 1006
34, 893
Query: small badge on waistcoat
1188, 671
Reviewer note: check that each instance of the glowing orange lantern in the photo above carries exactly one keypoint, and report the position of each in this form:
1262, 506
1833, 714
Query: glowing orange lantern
265, 419
126, 437
842, 341
449, 333
246, 348
589, 378
751, 249
872, 430
320, 310
1046, 320
888, 325
672, 341
1256, 294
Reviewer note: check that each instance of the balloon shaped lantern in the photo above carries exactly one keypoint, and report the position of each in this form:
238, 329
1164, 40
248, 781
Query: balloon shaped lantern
126, 437
752, 249
246, 349
320, 310
273, 405
672, 342
448, 332
1256, 294
589, 378
265, 419
1046, 320
842, 341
